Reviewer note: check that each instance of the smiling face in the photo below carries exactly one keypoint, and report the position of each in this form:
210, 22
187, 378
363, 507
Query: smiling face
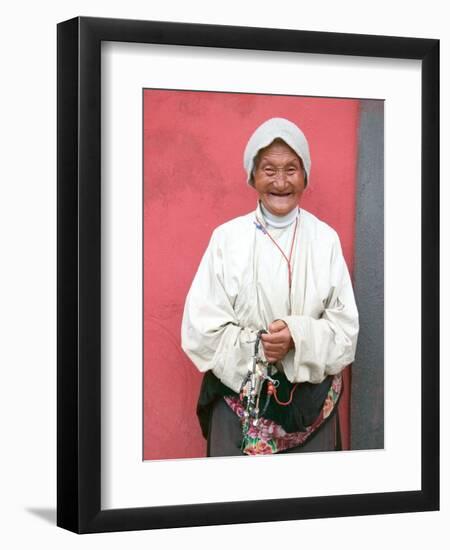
279, 178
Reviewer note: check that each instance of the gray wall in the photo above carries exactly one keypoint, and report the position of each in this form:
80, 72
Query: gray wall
367, 395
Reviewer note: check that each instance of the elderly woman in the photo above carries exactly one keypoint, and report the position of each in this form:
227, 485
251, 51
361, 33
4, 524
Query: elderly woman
272, 298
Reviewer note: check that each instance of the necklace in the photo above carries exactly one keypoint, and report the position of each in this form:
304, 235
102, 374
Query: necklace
260, 226
271, 386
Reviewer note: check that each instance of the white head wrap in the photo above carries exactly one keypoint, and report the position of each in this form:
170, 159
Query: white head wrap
265, 134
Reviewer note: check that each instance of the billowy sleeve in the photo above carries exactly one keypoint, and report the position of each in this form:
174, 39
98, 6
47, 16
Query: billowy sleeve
211, 335
325, 346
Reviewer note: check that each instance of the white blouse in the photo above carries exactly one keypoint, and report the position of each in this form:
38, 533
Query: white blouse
241, 286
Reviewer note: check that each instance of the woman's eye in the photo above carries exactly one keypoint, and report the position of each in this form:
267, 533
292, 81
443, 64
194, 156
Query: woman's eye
269, 171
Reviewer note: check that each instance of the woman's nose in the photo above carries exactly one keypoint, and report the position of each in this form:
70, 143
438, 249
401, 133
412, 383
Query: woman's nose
280, 177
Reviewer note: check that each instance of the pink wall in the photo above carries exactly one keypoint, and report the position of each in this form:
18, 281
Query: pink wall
194, 181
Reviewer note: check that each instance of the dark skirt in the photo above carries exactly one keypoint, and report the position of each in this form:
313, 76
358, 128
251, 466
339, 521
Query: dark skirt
306, 404
225, 434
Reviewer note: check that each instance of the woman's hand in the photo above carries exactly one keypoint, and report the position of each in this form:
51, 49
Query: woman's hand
278, 342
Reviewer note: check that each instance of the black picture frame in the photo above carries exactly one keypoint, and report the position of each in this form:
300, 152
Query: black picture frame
79, 275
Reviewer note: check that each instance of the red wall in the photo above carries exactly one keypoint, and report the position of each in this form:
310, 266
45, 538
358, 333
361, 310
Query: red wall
194, 181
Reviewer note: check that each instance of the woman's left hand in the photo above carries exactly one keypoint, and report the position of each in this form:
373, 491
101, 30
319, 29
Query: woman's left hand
278, 342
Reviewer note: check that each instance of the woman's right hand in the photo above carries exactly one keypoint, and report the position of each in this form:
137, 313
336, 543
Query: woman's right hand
277, 342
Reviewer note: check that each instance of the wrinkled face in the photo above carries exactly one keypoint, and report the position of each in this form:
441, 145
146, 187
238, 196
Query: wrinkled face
279, 178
